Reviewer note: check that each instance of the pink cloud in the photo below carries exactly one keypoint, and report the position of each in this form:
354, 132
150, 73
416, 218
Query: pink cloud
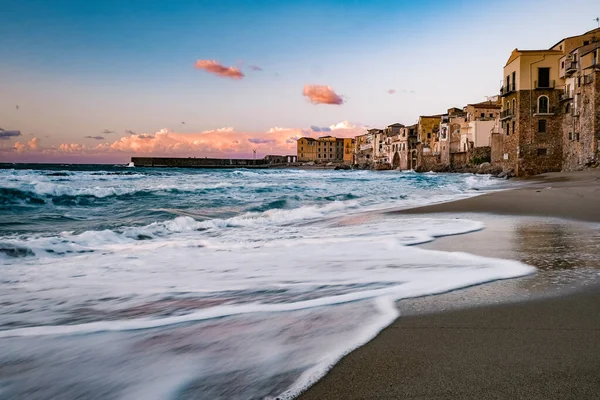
214, 67
391, 91
218, 143
322, 95
255, 68
32, 145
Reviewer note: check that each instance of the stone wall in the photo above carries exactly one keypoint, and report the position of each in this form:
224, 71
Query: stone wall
496, 150
538, 152
479, 155
459, 160
581, 132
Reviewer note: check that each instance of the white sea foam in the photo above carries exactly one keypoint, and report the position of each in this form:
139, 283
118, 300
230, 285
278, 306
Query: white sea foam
291, 276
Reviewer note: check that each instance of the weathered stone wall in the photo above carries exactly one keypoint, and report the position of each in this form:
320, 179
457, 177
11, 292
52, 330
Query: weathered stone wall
538, 152
510, 139
581, 132
496, 151
459, 160
426, 161
479, 155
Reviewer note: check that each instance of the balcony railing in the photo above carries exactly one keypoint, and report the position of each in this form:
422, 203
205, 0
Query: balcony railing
566, 95
545, 85
506, 114
570, 67
506, 90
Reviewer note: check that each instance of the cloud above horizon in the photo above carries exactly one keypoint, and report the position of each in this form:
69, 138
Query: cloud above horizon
255, 68
107, 131
391, 91
6, 135
318, 94
213, 67
94, 137
224, 142
315, 128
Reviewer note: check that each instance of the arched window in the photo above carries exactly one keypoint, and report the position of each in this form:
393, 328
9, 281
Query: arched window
543, 105
514, 107
567, 108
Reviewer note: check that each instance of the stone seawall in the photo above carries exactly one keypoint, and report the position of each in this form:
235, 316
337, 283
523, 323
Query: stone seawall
199, 162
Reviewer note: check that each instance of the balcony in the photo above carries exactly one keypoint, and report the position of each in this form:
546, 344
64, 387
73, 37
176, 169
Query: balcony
506, 114
544, 85
367, 146
506, 90
565, 96
570, 67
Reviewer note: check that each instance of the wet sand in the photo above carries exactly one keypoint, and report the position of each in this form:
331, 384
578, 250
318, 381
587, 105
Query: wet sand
572, 195
485, 342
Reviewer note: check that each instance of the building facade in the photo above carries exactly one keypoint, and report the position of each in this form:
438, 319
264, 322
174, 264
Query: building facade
543, 97
323, 149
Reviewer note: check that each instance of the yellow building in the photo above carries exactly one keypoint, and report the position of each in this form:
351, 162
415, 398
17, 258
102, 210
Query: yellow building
323, 149
349, 151
428, 128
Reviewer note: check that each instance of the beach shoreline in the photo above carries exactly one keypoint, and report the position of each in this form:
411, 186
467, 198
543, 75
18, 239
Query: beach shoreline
534, 337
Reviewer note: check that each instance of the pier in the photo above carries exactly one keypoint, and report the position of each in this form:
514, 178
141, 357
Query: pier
269, 161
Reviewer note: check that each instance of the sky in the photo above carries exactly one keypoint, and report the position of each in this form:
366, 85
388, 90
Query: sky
100, 81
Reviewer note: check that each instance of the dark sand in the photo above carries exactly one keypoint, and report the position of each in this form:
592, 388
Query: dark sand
573, 195
546, 348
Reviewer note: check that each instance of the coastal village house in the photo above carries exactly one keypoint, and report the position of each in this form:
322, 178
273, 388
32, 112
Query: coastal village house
323, 149
550, 106
546, 118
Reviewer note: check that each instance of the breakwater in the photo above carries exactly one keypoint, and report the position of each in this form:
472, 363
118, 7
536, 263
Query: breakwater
191, 162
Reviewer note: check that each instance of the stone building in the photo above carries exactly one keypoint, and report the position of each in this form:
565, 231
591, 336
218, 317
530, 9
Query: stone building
428, 129
323, 149
450, 134
535, 123
580, 105
363, 148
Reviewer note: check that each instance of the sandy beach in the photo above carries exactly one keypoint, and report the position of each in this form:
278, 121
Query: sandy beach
536, 337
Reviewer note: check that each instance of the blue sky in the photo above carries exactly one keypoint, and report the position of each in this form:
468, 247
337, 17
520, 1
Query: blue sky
76, 68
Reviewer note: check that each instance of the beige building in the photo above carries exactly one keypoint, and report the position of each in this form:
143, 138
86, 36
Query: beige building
323, 149
534, 125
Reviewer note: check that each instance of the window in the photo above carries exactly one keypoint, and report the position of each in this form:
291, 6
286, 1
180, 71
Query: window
586, 42
570, 135
577, 136
491, 115
514, 81
301, 148
543, 78
542, 126
482, 115
507, 129
514, 108
562, 65
542, 152
508, 83
428, 135
543, 105
567, 108
513, 128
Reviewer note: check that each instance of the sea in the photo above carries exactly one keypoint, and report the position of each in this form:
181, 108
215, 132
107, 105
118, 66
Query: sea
119, 282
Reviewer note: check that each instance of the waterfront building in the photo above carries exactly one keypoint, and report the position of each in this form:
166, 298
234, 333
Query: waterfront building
323, 149
543, 99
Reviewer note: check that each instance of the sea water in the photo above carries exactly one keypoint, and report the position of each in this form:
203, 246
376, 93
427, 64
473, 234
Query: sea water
132, 283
